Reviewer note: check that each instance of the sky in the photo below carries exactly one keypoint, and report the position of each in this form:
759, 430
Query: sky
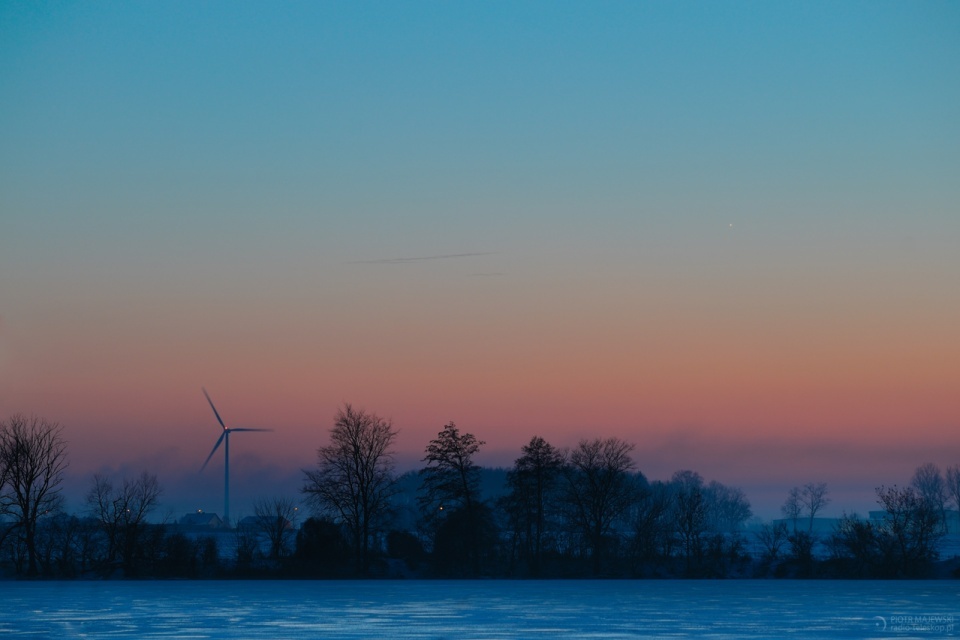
724, 232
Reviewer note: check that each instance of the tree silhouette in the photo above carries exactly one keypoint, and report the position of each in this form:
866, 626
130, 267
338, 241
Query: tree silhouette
33, 457
727, 507
450, 483
450, 478
653, 526
321, 549
792, 507
953, 485
120, 511
772, 538
690, 515
814, 498
810, 498
911, 528
354, 478
855, 543
273, 518
533, 484
599, 489
929, 483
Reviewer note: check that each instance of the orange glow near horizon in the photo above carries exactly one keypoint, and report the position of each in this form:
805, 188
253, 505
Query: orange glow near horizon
434, 216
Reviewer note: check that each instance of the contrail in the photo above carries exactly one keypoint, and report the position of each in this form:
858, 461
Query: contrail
448, 256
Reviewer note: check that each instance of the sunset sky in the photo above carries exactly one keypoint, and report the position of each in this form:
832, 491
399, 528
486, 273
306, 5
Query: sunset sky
726, 232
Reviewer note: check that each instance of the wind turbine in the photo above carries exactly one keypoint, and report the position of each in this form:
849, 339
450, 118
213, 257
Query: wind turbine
225, 439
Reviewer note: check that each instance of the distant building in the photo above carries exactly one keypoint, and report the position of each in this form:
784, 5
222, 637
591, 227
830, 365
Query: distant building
199, 520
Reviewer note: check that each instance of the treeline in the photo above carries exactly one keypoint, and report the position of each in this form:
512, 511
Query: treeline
586, 511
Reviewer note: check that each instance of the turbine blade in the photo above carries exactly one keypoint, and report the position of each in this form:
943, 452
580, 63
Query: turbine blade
215, 447
241, 429
219, 419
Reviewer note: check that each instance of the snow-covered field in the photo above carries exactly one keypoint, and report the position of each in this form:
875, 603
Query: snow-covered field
480, 609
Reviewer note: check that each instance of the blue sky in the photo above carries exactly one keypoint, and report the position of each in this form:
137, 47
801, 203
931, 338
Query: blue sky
675, 221
471, 125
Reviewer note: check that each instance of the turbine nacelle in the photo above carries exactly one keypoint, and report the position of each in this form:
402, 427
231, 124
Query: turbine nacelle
224, 439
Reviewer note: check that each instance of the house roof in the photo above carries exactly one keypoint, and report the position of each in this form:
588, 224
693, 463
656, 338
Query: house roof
201, 519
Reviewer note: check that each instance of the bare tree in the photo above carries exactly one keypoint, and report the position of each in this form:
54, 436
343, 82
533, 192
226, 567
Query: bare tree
599, 489
929, 483
451, 477
792, 508
451, 502
354, 478
533, 483
810, 498
121, 512
246, 540
59, 544
856, 543
802, 544
814, 498
953, 484
690, 514
772, 537
33, 456
653, 526
727, 507
274, 520
911, 527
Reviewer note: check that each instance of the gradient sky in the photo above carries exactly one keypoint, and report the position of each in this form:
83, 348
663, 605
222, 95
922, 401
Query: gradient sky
726, 232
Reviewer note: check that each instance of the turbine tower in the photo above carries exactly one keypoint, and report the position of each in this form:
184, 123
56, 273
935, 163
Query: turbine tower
225, 439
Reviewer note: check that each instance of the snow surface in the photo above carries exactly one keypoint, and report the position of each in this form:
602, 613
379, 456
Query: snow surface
494, 609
